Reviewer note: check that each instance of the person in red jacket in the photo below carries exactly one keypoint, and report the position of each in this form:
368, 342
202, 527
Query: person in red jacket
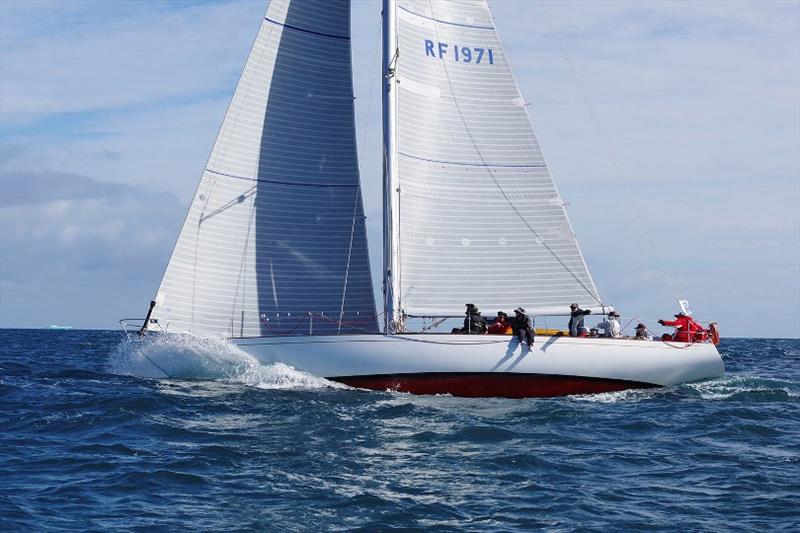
501, 326
686, 329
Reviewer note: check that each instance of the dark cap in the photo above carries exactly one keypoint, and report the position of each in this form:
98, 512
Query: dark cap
640, 325
573, 306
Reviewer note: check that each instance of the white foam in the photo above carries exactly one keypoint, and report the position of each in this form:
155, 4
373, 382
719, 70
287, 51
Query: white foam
715, 389
627, 395
185, 357
726, 386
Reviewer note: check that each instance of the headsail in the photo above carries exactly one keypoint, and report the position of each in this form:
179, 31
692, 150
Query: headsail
276, 229
475, 215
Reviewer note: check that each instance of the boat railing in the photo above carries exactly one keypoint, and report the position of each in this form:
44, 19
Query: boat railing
132, 327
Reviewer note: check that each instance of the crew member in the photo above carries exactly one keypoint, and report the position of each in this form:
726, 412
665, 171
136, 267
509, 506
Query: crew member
501, 325
642, 333
576, 328
523, 327
611, 325
686, 329
473, 323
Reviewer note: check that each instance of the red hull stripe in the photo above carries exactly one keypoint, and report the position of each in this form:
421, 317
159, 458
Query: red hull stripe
490, 384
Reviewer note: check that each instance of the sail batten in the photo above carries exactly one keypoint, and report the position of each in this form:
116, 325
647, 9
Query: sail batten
477, 217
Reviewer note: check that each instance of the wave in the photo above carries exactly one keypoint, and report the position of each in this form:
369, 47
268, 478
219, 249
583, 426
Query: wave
729, 387
185, 357
622, 396
746, 387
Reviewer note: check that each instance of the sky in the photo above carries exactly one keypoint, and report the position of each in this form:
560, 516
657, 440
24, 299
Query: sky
108, 111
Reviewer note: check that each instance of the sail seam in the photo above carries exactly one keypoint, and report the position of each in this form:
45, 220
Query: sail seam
462, 163
280, 182
307, 31
446, 21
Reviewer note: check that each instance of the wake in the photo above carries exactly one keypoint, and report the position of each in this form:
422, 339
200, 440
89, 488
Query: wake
746, 387
184, 357
733, 387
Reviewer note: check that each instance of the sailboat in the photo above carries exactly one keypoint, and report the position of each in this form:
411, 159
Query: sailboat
273, 253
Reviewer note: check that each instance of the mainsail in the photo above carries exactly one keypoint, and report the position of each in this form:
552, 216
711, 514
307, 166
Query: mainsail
474, 215
274, 241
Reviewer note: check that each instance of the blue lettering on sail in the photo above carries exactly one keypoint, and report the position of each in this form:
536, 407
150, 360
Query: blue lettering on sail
459, 53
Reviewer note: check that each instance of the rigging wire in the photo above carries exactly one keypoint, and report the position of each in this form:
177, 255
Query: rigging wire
610, 152
241, 277
370, 98
349, 257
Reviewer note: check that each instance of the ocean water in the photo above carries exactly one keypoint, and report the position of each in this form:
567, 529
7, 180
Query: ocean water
92, 438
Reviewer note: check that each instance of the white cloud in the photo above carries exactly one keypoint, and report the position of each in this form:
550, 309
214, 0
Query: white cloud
692, 91
61, 57
69, 234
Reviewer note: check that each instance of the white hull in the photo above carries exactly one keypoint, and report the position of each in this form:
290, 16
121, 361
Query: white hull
485, 365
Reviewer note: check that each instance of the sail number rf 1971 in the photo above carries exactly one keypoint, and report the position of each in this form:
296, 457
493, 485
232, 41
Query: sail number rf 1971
462, 54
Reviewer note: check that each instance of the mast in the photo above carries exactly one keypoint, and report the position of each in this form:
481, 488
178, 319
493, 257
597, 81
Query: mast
391, 192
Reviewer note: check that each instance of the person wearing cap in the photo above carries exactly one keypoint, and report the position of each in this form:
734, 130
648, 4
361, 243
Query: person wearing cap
642, 333
523, 327
686, 329
501, 325
611, 325
474, 323
576, 328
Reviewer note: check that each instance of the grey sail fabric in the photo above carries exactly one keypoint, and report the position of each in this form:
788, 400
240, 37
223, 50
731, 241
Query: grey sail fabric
480, 219
274, 241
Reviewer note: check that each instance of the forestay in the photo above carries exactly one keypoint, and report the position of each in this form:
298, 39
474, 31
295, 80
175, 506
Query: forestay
274, 241
480, 219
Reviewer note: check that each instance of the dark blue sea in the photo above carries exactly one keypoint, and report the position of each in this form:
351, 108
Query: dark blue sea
92, 439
